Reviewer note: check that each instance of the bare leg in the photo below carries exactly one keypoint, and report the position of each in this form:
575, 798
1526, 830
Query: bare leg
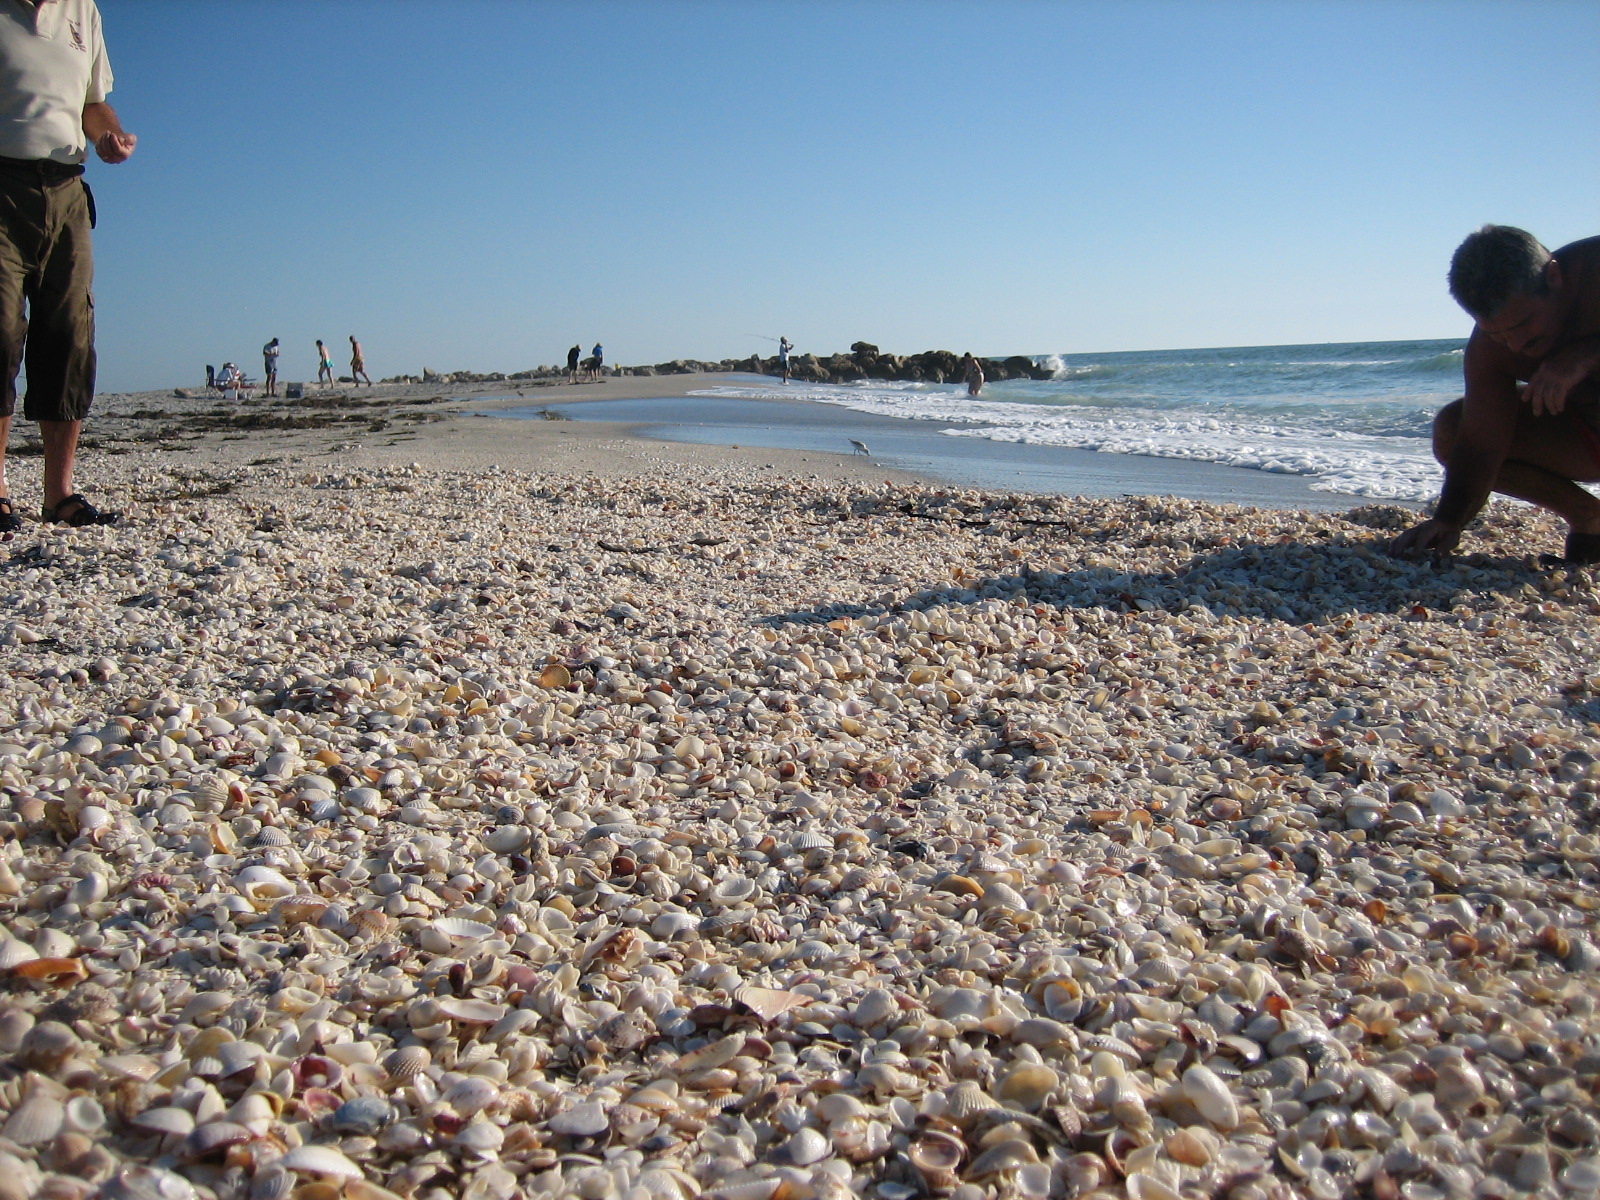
1549, 456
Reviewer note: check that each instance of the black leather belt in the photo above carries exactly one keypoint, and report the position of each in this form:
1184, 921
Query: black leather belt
47, 170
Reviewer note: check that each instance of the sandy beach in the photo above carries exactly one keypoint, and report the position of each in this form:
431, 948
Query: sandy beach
407, 802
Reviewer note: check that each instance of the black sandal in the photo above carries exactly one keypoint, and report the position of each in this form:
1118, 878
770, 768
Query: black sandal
9, 521
84, 515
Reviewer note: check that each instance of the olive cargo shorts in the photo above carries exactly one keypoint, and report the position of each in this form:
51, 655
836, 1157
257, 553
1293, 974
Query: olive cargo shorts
46, 261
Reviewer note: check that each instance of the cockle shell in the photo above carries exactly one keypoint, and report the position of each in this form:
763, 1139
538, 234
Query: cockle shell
35, 1121
407, 1062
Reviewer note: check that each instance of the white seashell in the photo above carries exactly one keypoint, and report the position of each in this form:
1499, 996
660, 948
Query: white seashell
83, 1114
508, 839
807, 1146
169, 1119
471, 1012
481, 1137
319, 1160
14, 953
583, 1120
1209, 1094
272, 1183
736, 889
874, 1008
462, 929
471, 1094
35, 1121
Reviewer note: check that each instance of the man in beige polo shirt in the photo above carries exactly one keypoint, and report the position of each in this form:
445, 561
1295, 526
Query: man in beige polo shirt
54, 77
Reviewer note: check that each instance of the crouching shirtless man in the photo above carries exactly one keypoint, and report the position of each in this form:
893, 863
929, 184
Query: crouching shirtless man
1529, 424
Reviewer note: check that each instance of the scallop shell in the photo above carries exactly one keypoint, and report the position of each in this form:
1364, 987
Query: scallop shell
319, 1160
769, 1003
966, 1099
300, 910
369, 922
807, 840
270, 835
208, 792
555, 677
35, 1121
463, 929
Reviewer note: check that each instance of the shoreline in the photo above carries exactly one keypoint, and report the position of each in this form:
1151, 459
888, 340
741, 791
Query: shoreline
445, 423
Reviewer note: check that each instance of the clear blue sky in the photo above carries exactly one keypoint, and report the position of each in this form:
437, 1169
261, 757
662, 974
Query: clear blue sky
478, 184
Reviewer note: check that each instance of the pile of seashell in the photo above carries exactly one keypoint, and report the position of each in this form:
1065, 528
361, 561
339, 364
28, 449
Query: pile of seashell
804, 843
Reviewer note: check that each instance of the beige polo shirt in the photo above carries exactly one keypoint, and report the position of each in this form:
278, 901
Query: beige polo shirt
52, 62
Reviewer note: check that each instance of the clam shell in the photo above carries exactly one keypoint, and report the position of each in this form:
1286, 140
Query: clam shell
736, 889
769, 1003
471, 1012
319, 1160
214, 1137
1028, 1084
13, 953
1209, 1094
936, 1157
169, 1119
582, 1120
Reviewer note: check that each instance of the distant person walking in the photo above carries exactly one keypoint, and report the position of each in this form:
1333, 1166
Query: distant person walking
784, 347
54, 78
573, 356
358, 363
973, 373
324, 363
269, 355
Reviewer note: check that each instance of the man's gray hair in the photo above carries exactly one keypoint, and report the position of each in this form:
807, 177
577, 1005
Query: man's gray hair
1495, 264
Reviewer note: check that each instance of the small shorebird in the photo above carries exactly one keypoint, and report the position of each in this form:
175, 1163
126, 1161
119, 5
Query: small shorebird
860, 448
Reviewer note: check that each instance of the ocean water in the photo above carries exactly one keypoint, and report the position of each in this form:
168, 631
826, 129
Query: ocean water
1352, 418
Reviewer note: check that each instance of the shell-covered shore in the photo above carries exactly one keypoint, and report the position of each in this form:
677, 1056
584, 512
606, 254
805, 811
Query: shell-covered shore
713, 834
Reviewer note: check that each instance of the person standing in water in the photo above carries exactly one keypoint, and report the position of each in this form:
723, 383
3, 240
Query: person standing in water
973, 371
784, 346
